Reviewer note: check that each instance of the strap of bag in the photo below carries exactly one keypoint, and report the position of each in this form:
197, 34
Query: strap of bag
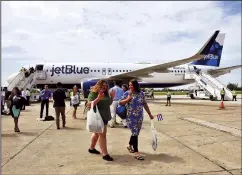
152, 124
92, 102
92, 106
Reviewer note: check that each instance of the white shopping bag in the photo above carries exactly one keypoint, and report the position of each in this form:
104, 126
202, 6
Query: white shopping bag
94, 120
154, 136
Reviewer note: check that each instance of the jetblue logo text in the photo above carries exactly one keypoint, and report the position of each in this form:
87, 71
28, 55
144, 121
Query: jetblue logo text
211, 57
69, 69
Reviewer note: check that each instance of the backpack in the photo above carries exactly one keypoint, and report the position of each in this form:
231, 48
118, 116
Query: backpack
49, 118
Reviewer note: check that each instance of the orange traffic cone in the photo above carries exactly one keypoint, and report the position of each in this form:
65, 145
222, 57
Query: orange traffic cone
222, 105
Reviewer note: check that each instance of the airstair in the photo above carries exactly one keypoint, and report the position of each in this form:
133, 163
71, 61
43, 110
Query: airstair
211, 85
23, 82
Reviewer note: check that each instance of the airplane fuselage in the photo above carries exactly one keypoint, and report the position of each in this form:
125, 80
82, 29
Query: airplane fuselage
73, 74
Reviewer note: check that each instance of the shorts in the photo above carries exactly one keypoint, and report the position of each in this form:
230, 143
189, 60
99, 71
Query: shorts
168, 98
75, 106
105, 122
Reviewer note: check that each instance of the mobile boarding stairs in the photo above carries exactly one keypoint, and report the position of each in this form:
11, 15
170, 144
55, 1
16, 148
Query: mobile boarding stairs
23, 82
211, 85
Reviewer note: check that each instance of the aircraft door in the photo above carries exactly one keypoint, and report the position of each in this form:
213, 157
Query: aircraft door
104, 71
41, 74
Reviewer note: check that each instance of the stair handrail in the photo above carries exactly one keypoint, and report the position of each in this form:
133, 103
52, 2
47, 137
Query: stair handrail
27, 80
226, 89
229, 93
219, 82
210, 83
15, 78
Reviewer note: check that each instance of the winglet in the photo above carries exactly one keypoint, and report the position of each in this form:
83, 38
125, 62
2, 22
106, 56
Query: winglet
206, 47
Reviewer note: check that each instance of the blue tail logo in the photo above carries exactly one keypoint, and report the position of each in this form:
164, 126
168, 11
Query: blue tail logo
215, 53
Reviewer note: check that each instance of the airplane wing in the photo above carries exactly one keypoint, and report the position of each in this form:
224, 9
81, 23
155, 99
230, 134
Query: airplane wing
141, 73
222, 71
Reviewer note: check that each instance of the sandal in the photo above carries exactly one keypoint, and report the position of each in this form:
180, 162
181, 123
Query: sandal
130, 149
139, 157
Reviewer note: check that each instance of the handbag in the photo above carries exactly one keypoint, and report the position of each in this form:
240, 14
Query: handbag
154, 136
121, 111
94, 120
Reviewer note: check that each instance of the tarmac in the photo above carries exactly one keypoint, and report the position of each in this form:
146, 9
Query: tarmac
187, 142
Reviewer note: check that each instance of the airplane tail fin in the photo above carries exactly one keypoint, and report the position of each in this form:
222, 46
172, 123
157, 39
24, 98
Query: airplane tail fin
214, 54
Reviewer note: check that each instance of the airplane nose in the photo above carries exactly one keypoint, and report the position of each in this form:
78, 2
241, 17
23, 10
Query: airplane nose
11, 77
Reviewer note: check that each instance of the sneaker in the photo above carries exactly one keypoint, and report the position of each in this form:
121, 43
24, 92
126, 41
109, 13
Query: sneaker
42, 119
93, 151
124, 123
112, 122
107, 158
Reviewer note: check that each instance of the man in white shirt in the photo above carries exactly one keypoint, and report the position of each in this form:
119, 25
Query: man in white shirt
118, 96
23, 94
28, 97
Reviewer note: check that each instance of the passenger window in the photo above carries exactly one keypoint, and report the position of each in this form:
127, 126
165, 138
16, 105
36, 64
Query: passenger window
127, 71
98, 70
116, 70
120, 71
94, 70
91, 70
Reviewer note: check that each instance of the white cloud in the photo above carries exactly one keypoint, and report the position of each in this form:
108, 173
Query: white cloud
116, 31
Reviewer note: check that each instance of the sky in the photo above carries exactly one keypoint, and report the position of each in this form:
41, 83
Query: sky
125, 31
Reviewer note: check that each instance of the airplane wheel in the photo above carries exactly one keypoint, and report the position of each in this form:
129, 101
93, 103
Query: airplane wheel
211, 97
192, 96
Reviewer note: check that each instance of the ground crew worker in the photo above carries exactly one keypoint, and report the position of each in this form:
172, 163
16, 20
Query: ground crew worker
234, 95
222, 92
168, 98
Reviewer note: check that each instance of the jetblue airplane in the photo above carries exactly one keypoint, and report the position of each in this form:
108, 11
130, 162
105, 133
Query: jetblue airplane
149, 75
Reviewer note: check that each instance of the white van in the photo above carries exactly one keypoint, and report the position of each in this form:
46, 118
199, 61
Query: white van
35, 95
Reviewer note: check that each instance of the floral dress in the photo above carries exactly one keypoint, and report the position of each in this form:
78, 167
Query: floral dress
135, 112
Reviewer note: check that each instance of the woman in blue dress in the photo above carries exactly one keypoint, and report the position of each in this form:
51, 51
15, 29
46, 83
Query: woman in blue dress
135, 101
15, 107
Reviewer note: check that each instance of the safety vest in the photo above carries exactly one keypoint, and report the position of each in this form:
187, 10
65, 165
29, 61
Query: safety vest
234, 92
168, 94
222, 92
71, 94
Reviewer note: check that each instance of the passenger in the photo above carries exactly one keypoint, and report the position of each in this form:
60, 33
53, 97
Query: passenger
100, 96
118, 95
2, 101
75, 100
168, 98
152, 93
59, 97
31, 70
28, 97
24, 98
45, 96
15, 106
125, 89
222, 92
234, 95
136, 101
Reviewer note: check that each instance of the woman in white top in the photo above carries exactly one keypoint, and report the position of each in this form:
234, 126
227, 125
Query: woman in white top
75, 100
